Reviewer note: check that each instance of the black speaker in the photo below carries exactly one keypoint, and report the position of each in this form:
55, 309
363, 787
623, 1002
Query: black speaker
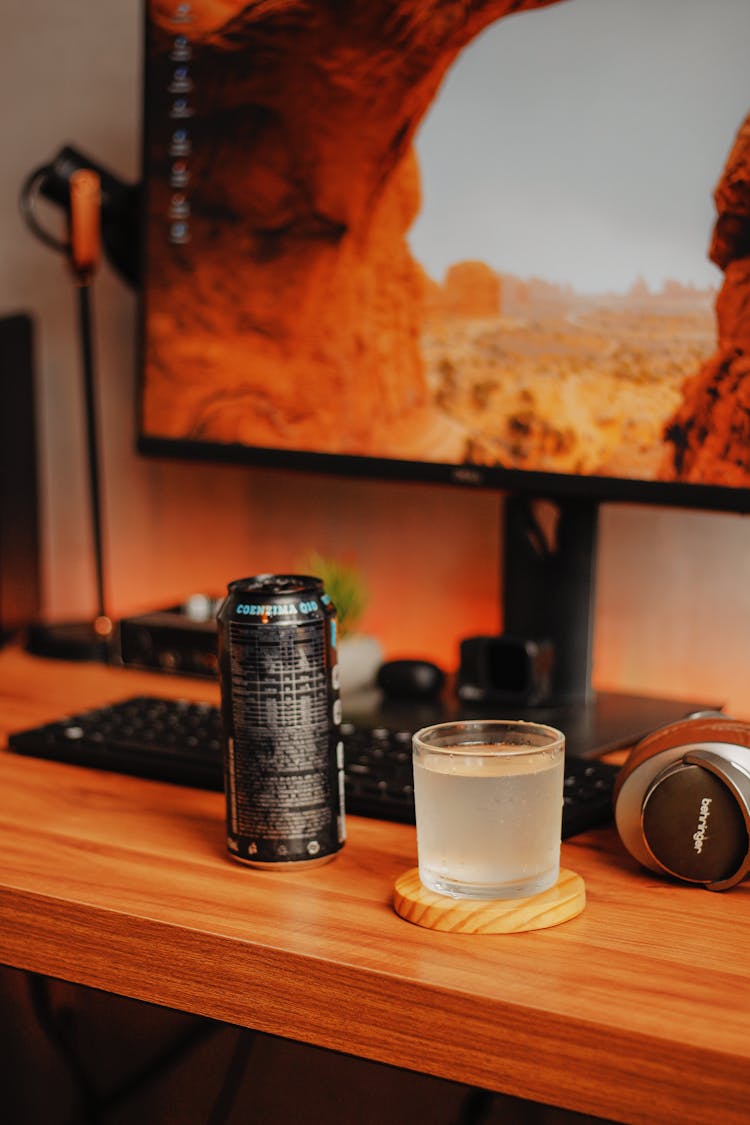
506, 670
19, 520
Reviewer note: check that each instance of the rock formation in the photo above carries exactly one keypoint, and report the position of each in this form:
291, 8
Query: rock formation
710, 433
469, 289
297, 303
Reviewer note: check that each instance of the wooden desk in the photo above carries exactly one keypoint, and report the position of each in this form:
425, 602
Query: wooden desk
639, 1010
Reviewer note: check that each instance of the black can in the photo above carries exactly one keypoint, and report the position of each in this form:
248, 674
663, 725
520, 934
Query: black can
281, 717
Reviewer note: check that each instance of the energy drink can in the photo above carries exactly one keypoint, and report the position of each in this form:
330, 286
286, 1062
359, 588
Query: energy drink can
281, 716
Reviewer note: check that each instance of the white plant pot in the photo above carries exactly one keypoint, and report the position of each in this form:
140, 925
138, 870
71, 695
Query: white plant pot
360, 656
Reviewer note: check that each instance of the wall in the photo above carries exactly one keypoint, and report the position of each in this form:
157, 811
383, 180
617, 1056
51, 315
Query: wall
673, 606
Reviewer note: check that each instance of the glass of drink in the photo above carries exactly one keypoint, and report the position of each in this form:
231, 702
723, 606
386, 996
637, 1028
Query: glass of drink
488, 797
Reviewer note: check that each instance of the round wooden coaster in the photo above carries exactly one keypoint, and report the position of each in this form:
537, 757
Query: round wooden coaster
423, 907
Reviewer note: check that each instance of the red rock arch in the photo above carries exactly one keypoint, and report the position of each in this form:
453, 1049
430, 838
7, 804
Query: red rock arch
317, 103
709, 437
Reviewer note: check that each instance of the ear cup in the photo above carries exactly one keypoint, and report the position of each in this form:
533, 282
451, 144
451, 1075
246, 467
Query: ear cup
682, 801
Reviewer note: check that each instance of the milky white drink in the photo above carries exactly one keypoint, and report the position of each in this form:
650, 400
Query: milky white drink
489, 818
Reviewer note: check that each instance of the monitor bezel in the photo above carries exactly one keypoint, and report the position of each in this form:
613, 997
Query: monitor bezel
675, 494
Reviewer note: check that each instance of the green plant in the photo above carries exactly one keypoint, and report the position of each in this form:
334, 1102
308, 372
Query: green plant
344, 584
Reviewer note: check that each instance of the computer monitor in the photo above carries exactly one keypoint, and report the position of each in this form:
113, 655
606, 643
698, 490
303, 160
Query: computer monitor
467, 242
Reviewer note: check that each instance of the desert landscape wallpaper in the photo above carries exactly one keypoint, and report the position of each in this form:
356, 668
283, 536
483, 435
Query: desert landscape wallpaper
309, 288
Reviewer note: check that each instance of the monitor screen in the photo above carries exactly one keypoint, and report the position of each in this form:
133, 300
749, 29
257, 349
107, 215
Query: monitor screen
496, 243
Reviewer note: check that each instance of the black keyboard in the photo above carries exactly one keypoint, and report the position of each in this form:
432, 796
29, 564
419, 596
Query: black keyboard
180, 741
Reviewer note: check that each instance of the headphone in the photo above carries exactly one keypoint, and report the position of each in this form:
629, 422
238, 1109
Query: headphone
682, 801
